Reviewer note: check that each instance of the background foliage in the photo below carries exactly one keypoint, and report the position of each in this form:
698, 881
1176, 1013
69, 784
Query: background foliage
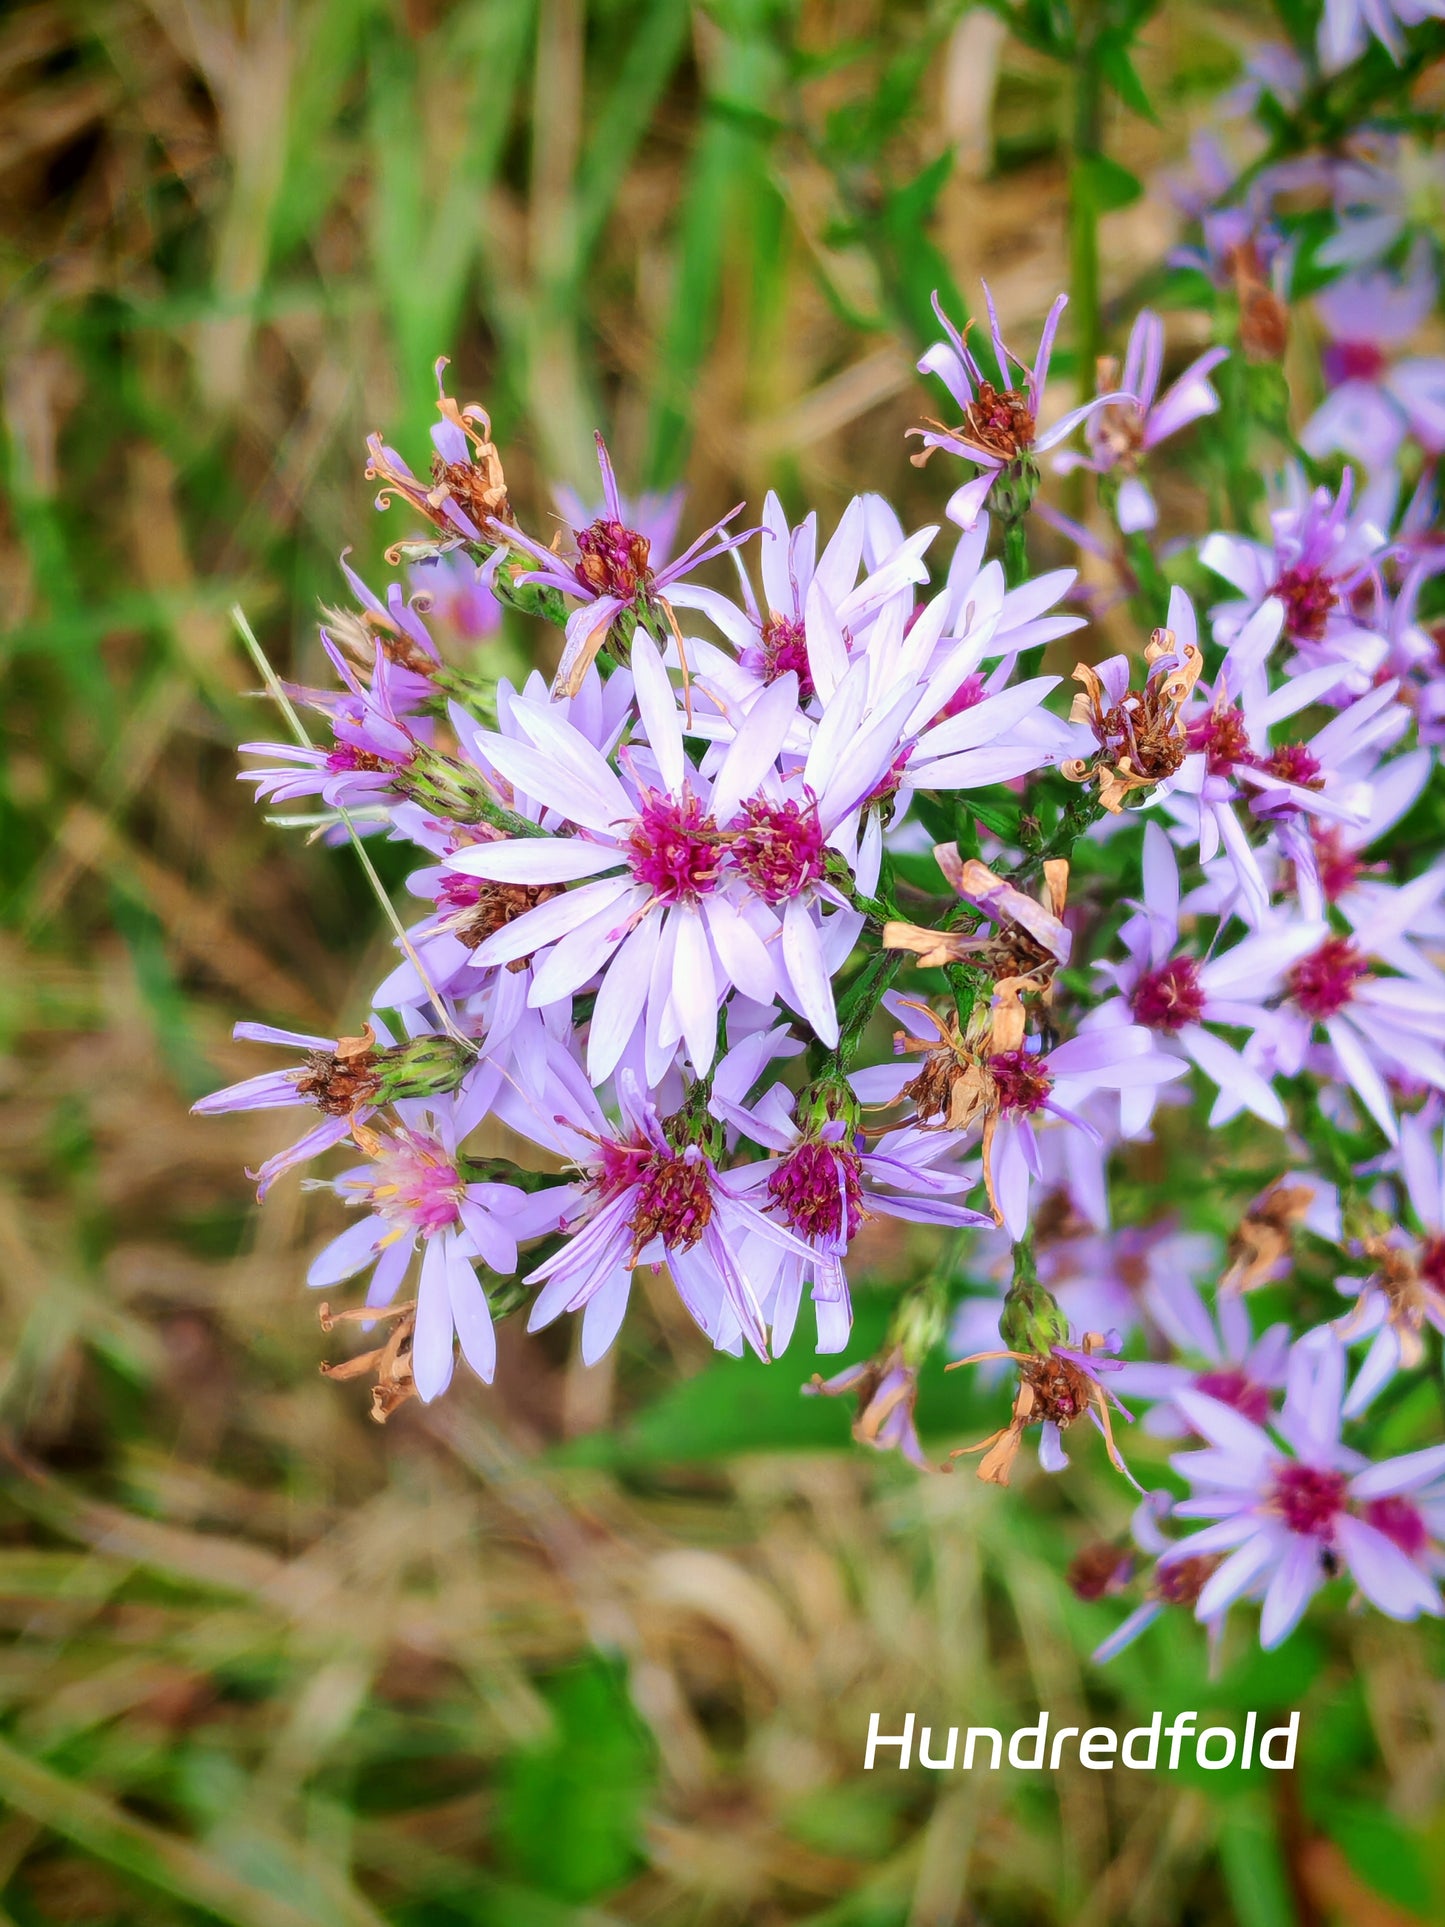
596, 1646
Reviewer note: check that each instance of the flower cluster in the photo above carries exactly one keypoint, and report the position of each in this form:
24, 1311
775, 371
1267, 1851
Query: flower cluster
804, 894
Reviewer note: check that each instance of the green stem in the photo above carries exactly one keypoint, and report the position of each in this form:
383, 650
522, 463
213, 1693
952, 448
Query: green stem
1031, 1320
1083, 202
1015, 554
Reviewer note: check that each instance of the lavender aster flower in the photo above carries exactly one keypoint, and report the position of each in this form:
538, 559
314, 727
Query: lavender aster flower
1377, 399
1323, 549
964, 1079
651, 1198
415, 1190
1237, 1369
1122, 434
1180, 998
771, 636
1290, 1505
374, 744
664, 934
1000, 424
338, 1077
824, 1185
613, 574
1378, 1027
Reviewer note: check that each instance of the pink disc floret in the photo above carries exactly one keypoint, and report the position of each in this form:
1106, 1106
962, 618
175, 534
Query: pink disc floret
1170, 997
778, 847
1309, 1499
1324, 982
674, 847
417, 1185
1021, 1082
818, 1188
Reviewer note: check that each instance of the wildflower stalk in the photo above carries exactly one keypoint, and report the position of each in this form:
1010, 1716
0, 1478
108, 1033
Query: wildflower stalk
1013, 497
919, 1320
504, 1171
1083, 197
1015, 554
1151, 586
363, 855
1031, 1320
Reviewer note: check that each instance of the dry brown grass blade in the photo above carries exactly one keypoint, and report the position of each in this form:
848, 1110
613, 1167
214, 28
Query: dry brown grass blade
160, 1859
198, 924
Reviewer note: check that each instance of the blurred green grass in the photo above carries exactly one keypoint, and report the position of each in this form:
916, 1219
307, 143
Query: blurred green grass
595, 1647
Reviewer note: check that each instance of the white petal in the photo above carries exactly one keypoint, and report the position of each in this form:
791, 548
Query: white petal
1227, 1069
754, 750
657, 706
549, 922
348, 1254
535, 859
603, 1315
694, 991
470, 1312
807, 970
620, 999
1291, 1589
431, 1344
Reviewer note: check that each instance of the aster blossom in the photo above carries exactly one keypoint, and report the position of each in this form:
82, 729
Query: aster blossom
1292, 1504
1122, 433
1000, 426
612, 575
805, 944
415, 1192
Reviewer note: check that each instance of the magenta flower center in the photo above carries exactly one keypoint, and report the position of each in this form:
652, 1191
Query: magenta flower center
1324, 982
1340, 868
460, 892
1222, 737
674, 1201
1293, 763
674, 847
1308, 595
968, 695
1021, 1082
614, 560
417, 1185
778, 847
1400, 1523
346, 757
1237, 1390
1353, 361
785, 647
1170, 997
1432, 1263
818, 1188
1309, 1500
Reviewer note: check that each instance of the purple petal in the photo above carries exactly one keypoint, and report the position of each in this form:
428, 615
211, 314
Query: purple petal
431, 1344
351, 1252
1383, 1573
470, 1311
1295, 1583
